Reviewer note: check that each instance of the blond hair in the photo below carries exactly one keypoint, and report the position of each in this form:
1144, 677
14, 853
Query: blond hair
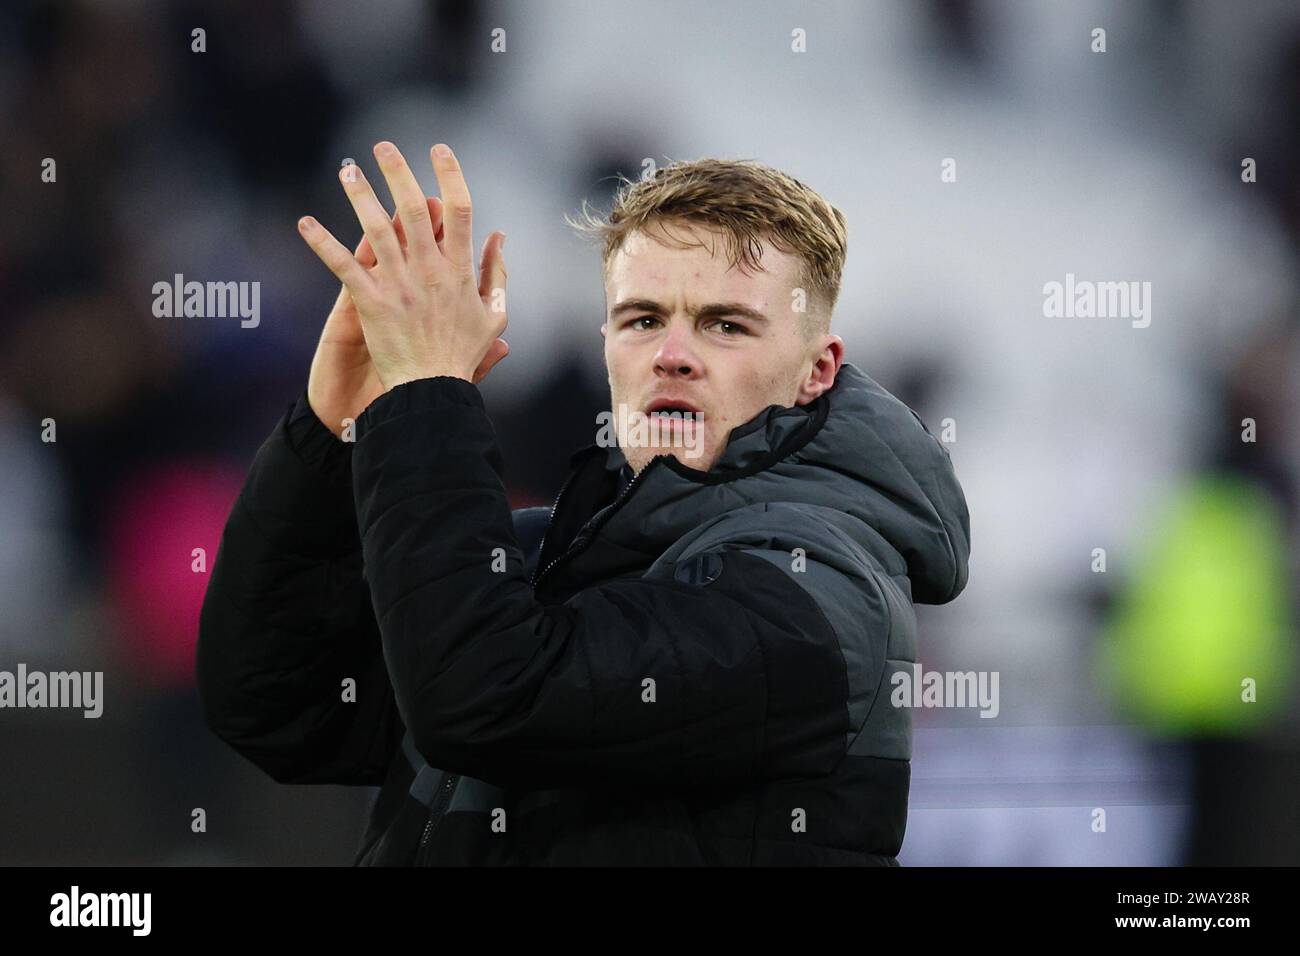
745, 201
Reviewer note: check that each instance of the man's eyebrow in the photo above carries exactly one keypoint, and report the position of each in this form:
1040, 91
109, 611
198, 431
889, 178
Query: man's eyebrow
703, 311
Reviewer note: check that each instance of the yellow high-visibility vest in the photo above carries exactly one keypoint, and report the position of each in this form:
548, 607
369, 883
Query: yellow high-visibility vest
1202, 640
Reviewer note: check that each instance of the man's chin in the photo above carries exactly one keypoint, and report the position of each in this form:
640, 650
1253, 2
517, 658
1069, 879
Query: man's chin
696, 459
693, 458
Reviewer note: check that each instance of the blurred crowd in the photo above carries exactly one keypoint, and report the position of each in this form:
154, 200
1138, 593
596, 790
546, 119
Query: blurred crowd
149, 139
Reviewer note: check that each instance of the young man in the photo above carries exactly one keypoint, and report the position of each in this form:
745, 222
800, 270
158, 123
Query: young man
687, 660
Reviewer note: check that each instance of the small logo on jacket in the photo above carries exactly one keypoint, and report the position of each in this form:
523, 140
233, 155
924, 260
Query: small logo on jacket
915, 688
102, 909
701, 571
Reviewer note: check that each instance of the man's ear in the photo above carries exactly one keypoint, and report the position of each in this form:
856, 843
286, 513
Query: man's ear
602, 329
822, 374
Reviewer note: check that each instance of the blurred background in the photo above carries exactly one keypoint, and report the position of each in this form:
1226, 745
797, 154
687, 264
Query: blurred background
1118, 667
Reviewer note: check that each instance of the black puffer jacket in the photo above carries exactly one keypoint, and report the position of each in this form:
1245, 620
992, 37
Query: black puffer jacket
693, 668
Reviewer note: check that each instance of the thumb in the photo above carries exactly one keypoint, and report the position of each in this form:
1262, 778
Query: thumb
495, 353
492, 275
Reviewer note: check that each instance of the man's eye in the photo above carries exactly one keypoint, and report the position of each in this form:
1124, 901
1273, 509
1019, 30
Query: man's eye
737, 329
644, 318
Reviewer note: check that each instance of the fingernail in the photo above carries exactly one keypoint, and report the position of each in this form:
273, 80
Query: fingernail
385, 148
503, 241
306, 223
442, 150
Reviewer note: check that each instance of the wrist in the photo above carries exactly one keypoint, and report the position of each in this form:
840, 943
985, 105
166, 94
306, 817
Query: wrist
316, 445
405, 377
313, 407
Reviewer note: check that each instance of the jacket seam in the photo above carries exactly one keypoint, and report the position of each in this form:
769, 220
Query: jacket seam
884, 663
839, 647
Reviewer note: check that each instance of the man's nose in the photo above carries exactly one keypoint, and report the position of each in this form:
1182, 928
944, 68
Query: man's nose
675, 355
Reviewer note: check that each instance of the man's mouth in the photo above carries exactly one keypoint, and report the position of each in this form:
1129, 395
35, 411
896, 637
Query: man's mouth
674, 408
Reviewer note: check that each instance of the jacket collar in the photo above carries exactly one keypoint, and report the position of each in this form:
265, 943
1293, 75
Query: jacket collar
856, 449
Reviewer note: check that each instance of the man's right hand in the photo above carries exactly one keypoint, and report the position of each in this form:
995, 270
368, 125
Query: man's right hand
343, 380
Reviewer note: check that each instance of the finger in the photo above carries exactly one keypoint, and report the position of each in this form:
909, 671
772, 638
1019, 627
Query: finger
458, 244
375, 221
364, 254
435, 214
410, 202
337, 259
435, 218
366, 257
495, 353
399, 229
492, 275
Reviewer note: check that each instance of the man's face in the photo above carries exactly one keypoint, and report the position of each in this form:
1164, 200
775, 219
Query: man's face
685, 326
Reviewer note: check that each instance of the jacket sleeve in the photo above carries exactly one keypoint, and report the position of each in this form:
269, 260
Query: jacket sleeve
287, 619
718, 671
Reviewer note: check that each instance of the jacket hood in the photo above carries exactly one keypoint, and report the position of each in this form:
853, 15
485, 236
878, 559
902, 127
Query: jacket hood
857, 450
